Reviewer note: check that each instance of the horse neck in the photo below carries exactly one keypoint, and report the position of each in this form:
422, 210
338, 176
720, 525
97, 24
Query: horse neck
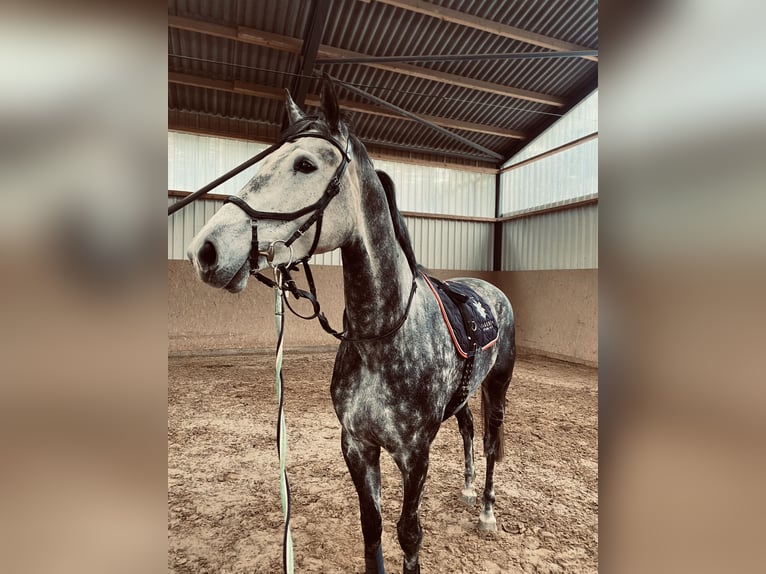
376, 276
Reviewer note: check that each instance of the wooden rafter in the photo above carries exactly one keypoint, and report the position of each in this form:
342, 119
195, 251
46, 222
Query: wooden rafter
266, 92
478, 23
294, 45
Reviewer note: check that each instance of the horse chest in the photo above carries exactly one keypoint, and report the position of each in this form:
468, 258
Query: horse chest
388, 401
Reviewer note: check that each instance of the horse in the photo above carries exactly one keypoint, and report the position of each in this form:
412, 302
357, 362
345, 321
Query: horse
396, 371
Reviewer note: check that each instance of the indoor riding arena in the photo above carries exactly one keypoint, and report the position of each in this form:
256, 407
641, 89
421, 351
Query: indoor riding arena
485, 117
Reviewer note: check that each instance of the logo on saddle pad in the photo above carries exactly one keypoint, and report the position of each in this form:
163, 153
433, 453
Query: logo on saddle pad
479, 308
469, 319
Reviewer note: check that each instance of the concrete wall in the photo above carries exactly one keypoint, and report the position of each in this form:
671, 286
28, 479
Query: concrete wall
556, 312
202, 318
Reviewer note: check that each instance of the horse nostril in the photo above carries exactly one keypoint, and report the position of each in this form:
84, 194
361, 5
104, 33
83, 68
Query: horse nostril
207, 255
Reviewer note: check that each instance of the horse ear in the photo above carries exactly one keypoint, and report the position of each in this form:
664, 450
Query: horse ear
294, 113
330, 103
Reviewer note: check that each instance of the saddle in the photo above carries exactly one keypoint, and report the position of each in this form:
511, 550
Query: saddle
471, 325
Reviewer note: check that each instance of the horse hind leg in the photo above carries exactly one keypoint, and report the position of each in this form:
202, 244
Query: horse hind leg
465, 424
493, 392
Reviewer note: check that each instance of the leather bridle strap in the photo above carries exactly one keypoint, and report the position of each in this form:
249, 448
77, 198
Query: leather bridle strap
316, 209
289, 285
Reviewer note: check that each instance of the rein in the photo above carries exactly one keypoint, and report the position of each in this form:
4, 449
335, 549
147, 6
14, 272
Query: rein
288, 285
288, 560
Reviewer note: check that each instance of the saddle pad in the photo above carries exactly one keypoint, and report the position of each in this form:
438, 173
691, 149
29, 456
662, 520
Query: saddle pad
466, 315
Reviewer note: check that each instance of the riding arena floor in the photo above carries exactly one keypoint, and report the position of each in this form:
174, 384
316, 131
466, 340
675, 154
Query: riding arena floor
224, 513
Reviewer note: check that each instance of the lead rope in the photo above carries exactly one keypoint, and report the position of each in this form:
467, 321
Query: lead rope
284, 484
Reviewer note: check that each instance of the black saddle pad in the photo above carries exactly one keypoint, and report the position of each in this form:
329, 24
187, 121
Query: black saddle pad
468, 317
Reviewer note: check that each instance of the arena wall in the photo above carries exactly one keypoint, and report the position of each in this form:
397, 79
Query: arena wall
556, 312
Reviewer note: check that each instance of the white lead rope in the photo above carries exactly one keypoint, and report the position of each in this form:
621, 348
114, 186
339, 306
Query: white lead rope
284, 485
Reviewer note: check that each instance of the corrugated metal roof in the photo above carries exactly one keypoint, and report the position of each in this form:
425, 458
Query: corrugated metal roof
214, 54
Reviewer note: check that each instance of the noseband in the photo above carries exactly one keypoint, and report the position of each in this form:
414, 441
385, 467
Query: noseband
316, 209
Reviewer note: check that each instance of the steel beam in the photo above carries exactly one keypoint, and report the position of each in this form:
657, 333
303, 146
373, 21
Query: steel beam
486, 151
428, 151
456, 57
311, 42
497, 230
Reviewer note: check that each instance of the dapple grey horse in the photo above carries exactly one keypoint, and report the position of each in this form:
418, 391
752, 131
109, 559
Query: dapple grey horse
396, 369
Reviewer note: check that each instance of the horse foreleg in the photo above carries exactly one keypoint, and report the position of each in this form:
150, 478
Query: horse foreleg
465, 424
414, 468
363, 462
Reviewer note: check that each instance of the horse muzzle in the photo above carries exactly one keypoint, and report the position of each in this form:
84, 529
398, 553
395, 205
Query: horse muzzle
215, 268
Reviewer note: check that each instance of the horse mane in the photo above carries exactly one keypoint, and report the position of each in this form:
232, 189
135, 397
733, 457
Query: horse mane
400, 227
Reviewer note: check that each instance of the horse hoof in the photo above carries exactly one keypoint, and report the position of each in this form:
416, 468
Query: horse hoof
468, 499
487, 523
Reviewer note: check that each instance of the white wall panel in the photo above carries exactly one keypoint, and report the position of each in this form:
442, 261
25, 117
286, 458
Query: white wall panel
565, 239
446, 244
566, 176
580, 121
331, 258
560, 240
440, 190
438, 244
196, 160
184, 224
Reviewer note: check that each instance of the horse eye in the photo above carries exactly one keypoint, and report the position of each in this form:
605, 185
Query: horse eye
304, 166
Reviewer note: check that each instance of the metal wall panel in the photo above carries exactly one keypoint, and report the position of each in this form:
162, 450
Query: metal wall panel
184, 224
559, 240
446, 244
438, 244
196, 160
566, 176
578, 122
331, 258
563, 239
440, 190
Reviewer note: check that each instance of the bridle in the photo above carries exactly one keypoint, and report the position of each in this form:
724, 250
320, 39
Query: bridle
316, 209
283, 272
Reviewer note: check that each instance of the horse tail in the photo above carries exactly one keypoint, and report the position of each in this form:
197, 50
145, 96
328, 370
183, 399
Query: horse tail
494, 434
494, 388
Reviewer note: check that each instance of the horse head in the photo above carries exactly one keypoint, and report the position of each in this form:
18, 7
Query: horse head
297, 204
